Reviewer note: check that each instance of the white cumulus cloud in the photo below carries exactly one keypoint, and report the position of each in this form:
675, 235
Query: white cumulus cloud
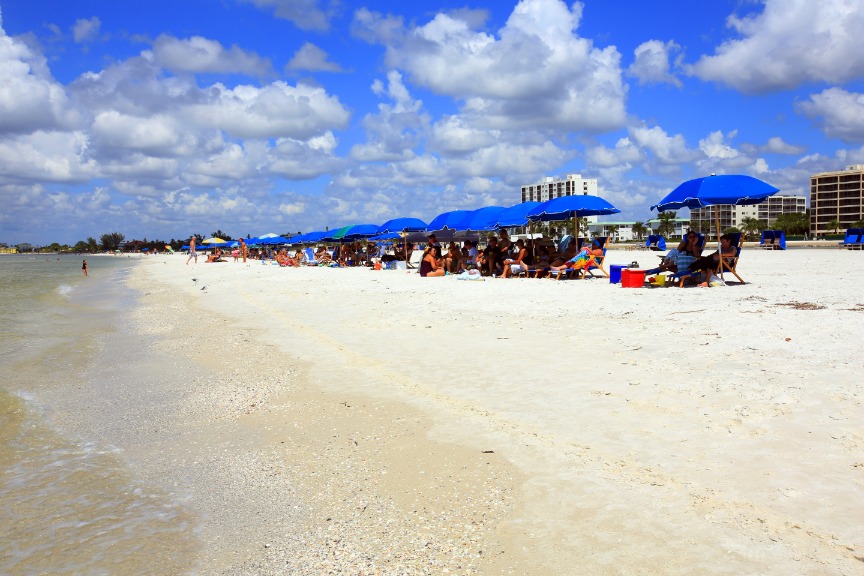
535, 73
790, 43
840, 113
312, 58
305, 14
198, 54
651, 64
86, 30
30, 99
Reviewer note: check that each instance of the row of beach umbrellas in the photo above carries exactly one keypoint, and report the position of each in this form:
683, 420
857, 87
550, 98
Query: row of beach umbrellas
486, 219
697, 193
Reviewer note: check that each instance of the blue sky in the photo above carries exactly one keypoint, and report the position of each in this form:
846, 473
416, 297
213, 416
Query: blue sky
160, 120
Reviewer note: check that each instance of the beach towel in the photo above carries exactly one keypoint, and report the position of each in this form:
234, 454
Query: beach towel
470, 275
582, 260
684, 261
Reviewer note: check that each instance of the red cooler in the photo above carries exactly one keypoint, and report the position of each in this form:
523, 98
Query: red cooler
632, 278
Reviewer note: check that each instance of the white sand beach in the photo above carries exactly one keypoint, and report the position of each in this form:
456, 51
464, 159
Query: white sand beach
355, 421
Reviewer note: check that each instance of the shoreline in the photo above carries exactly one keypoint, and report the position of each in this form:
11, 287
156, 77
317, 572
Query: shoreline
349, 483
629, 458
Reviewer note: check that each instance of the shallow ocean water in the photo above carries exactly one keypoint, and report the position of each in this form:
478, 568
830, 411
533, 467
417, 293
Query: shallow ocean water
69, 504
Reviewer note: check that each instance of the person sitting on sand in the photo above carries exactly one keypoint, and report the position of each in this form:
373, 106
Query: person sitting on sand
518, 263
709, 264
490, 257
469, 256
216, 256
453, 258
283, 259
430, 265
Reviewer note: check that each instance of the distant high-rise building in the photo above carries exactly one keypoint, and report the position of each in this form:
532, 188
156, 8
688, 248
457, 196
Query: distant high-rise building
549, 188
836, 196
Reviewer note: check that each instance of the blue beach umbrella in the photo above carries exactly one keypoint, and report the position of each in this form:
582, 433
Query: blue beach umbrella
576, 206
386, 236
453, 220
309, 237
336, 234
738, 189
483, 218
277, 240
402, 225
515, 215
359, 231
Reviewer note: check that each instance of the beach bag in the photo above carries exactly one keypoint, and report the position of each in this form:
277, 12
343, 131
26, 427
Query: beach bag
716, 281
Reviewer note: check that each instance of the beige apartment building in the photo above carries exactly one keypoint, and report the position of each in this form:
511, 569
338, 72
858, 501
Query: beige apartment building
732, 216
836, 196
550, 188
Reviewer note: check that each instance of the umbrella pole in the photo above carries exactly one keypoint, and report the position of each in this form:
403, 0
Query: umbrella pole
719, 248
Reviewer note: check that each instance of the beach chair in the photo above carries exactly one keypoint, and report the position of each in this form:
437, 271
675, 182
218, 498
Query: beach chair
853, 239
583, 273
767, 242
655, 242
773, 240
309, 257
604, 243
729, 264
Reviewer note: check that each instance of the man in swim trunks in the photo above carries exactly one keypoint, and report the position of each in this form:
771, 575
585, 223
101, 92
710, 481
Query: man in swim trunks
192, 252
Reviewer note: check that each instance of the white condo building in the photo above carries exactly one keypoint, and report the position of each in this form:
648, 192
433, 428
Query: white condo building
556, 187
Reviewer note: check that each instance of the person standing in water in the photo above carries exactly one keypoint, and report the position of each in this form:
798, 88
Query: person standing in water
84, 267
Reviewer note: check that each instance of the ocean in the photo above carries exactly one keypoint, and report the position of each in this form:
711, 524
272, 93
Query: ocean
69, 502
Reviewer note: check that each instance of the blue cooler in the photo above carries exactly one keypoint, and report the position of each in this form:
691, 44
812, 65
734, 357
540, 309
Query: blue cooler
615, 273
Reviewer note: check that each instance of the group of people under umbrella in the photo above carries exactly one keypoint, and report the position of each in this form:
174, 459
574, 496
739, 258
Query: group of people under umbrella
468, 225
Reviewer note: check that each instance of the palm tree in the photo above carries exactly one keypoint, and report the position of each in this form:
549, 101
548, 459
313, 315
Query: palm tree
752, 225
667, 224
833, 225
639, 229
